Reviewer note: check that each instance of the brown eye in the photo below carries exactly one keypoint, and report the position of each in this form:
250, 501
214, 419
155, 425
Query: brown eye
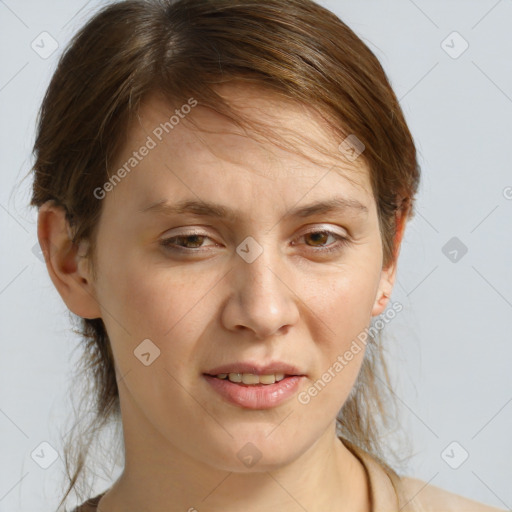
195, 240
184, 242
318, 240
318, 237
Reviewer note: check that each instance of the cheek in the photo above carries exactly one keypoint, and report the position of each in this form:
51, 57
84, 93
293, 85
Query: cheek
153, 302
342, 305
341, 301
342, 314
168, 308
151, 296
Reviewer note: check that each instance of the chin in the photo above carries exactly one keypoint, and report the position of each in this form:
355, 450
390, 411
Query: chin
256, 453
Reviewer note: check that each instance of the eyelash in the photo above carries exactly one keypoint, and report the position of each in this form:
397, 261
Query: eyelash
335, 247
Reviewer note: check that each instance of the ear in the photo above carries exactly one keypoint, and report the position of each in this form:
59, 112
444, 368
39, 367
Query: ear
67, 267
388, 274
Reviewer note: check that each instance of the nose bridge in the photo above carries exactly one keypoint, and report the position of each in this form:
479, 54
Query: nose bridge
260, 277
261, 301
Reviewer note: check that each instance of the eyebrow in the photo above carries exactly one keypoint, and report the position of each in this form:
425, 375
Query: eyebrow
215, 210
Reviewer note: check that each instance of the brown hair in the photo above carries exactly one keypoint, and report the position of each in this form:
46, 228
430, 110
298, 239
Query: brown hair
183, 49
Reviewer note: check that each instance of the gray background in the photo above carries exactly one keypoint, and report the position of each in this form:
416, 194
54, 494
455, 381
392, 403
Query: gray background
451, 345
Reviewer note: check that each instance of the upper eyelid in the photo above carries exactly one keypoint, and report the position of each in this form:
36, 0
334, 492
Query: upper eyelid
313, 229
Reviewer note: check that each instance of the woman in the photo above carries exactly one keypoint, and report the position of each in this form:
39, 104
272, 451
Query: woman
223, 188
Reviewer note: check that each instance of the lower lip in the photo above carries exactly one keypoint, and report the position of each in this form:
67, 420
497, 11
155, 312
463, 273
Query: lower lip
259, 396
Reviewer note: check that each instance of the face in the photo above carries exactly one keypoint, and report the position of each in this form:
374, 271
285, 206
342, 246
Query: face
261, 281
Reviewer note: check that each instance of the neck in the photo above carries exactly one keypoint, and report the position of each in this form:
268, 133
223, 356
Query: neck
158, 475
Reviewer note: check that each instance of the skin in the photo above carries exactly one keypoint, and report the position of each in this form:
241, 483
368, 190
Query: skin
211, 307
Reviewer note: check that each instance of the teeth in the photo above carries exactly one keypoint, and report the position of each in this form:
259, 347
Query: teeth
251, 378
267, 379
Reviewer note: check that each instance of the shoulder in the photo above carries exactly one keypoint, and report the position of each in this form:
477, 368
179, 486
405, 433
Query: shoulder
426, 497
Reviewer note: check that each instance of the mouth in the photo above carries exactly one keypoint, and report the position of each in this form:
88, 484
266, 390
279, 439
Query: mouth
255, 387
247, 372
251, 379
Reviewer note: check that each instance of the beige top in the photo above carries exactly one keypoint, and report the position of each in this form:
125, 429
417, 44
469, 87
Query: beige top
418, 495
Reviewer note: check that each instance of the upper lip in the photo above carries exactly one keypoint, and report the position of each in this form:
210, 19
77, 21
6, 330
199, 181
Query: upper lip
256, 369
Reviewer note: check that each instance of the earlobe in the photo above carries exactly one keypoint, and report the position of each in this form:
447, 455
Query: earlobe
383, 294
68, 271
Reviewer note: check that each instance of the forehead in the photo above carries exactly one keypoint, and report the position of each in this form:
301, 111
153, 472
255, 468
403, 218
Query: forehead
200, 141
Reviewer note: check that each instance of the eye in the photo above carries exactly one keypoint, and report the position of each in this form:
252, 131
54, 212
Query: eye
321, 236
193, 242
190, 242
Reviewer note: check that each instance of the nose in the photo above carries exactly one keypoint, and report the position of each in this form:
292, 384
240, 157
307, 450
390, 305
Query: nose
262, 299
